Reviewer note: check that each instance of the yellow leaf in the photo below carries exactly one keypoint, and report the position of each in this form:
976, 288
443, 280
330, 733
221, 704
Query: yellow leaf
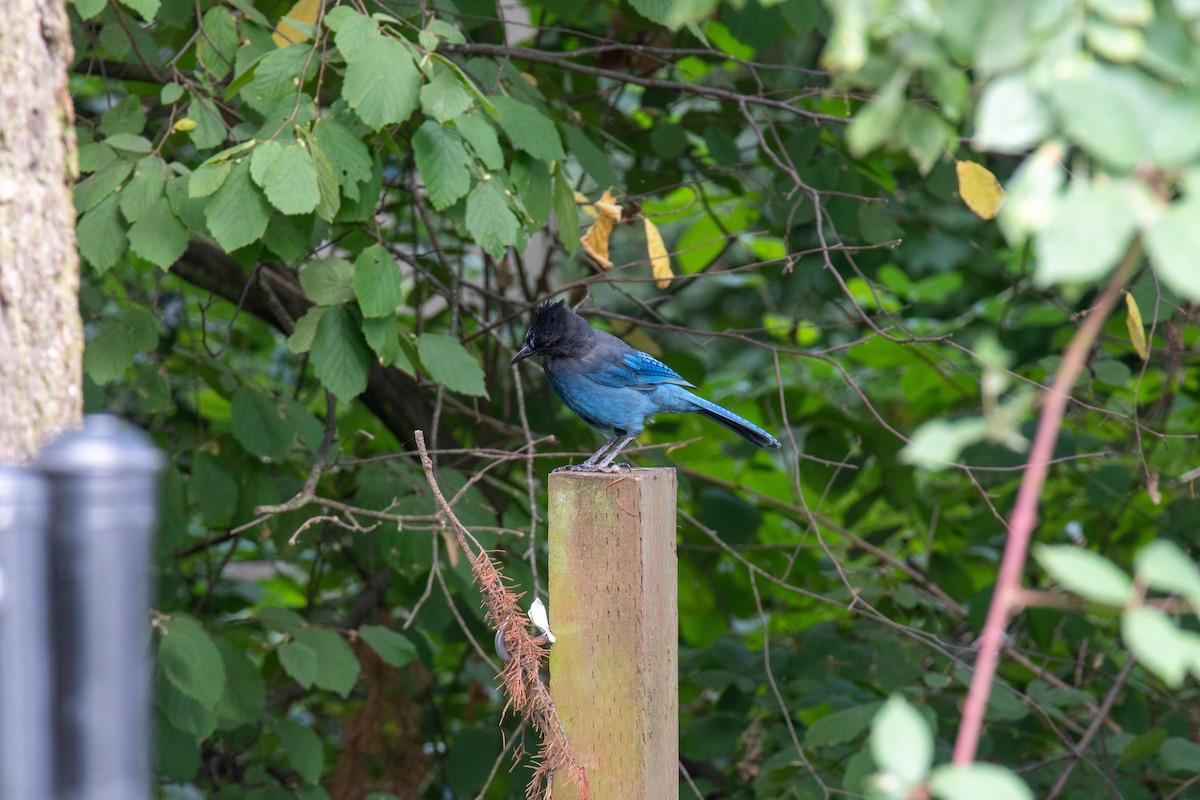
303, 11
595, 241
183, 125
979, 189
1137, 331
660, 262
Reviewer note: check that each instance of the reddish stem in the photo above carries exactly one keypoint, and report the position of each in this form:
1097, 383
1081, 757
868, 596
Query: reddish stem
1024, 515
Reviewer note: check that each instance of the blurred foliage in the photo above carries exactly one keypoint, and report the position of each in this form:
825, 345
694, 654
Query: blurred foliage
308, 238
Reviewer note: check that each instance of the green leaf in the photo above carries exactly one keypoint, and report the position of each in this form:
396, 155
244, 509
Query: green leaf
392, 647
210, 128
328, 281
94, 155
1161, 646
529, 129
446, 31
340, 356
939, 442
306, 330
1086, 235
1180, 755
259, 426
144, 8
347, 154
978, 781
1011, 118
1162, 565
190, 660
354, 32
1172, 242
214, 489
89, 8
531, 181
184, 713
90, 191
237, 214
875, 123
1142, 747
449, 363
101, 235
591, 157
263, 158
901, 743
1087, 574
158, 236
291, 181
176, 752
337, 666
377, 282
299, 660
245, 694
218, 42
841, 727
482, 137
1127, 119
925, 135
288, 237
304, 749
278, 618
110, 352
126, 116
443, 163
382, 82
383, 337
276, 74
327, 182
444, 97
209, 177
129, 142
170, 93
145, 190
566, 213
490, 221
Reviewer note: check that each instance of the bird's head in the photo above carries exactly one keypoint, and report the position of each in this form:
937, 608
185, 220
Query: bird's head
556, 331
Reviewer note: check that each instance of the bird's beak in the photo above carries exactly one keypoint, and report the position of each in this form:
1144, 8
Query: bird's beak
525, 352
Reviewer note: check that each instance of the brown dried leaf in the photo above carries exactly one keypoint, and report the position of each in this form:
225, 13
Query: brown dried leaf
1135, 326
595, 241
303, 11
660, 261
979, 189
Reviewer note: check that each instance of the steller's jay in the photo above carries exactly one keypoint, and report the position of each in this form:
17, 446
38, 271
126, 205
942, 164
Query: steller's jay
612, 386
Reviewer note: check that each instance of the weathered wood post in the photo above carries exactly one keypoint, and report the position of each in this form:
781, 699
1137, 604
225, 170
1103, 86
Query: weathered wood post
613, 608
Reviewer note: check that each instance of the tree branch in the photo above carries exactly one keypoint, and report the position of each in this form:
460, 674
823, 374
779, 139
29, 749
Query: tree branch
1024, 515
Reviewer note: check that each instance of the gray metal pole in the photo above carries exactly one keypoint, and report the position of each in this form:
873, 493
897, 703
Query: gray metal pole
103, 496
25, 710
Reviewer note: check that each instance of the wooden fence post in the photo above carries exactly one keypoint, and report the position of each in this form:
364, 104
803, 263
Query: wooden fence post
614, 610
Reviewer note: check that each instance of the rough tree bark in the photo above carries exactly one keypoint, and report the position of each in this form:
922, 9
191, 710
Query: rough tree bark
41, 333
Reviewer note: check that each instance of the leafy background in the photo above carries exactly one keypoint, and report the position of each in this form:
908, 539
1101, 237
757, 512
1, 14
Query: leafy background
313, 229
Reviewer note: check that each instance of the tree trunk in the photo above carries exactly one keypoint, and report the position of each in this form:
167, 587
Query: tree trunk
41, 333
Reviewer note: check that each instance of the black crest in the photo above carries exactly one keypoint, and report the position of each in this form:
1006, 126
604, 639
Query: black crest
556, 330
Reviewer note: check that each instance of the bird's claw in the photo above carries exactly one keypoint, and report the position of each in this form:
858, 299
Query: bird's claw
577, 468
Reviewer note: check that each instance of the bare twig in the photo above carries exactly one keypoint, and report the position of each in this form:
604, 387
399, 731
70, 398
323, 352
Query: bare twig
1024, 515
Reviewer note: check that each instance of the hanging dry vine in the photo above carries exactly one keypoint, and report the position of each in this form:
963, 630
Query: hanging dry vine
527, 695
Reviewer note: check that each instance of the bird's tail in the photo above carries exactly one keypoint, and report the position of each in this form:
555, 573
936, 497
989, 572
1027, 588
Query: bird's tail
742, 427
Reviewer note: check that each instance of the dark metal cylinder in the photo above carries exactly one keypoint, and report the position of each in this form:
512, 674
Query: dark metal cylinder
103, 495
25, 729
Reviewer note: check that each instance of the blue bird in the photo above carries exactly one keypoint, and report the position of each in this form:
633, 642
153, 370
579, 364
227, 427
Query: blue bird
613, 387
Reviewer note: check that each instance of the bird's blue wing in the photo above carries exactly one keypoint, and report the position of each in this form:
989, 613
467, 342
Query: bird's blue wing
636, 369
